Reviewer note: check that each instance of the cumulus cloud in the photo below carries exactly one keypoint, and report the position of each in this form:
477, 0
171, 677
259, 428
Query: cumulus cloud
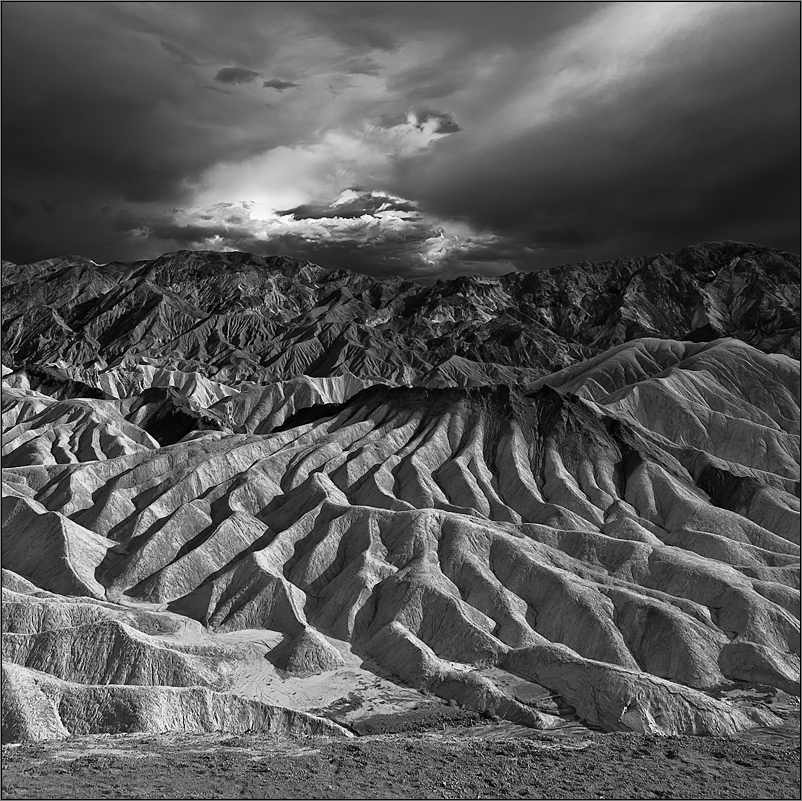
371, 232
352, 204
233, 75
444, 122
316, 172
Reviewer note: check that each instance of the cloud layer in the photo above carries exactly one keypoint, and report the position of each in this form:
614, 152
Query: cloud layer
394, 137
233, 75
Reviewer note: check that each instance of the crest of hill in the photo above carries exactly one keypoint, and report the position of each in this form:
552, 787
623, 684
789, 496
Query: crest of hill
238, 316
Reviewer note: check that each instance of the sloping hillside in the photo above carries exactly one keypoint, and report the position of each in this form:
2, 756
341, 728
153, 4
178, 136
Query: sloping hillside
573, 494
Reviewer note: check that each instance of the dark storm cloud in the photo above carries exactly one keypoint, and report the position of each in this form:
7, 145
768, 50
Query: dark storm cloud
98, 110
466, 26
232, 75
108, 104
279, 85
705, 147
568, 147
467, 30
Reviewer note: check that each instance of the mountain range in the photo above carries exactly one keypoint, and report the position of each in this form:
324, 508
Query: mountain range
238, 490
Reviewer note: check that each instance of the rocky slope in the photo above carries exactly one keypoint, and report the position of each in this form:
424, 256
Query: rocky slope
262, 480
238, 316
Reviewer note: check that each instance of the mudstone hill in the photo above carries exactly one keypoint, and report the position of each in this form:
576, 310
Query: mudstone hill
236, 489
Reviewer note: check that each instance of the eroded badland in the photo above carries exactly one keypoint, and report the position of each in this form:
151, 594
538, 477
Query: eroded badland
248, 496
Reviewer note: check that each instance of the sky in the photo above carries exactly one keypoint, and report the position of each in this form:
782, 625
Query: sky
417, 139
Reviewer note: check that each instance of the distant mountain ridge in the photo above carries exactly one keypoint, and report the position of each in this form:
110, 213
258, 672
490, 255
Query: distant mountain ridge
246, 317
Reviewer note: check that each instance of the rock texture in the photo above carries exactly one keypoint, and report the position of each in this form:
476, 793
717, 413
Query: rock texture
223, 473
236, 316
38, 707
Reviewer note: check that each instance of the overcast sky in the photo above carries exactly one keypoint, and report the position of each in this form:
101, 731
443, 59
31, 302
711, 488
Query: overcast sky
422, 139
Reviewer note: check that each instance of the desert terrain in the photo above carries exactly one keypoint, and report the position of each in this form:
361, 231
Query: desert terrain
276, 531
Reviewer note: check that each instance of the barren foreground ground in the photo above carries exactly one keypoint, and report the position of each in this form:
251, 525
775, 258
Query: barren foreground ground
458, 755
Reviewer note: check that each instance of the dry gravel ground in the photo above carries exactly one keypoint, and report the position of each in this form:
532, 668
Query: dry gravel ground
449, 758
